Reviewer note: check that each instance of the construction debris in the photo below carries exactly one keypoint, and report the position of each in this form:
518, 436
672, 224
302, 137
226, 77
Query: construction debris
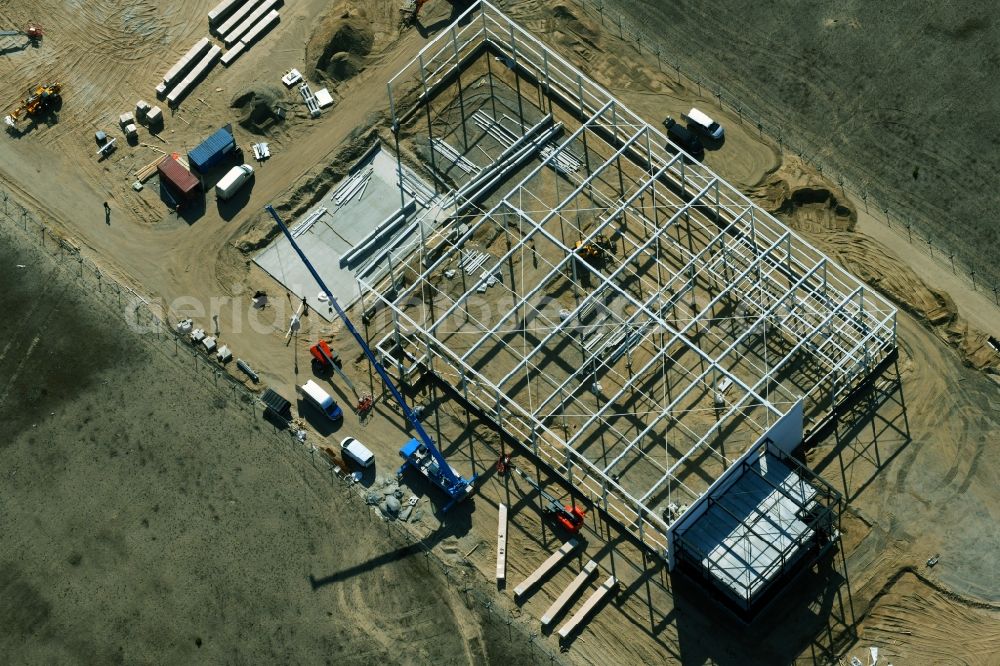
260, 151
291, 77
352, 186
309, 99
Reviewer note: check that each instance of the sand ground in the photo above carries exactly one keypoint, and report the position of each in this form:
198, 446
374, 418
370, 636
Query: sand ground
915, 464
150, 517
893, 98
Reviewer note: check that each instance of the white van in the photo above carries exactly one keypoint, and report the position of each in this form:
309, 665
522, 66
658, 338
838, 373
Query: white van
705, 124
356, 451
320, 399
233, 181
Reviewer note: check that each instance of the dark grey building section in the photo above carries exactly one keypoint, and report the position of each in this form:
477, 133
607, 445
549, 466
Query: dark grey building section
774, 516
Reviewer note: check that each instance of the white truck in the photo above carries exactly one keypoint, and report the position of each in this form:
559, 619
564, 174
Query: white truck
356, 451
233, 181
321, 400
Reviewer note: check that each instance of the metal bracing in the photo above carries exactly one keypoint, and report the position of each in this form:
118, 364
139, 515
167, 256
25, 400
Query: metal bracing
661, 322
714, 289
559, 266
488, 217
680, 335
538, 225
586, 301
739, 404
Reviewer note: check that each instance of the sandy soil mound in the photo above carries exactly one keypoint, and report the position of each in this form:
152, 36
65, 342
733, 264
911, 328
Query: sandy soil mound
807, 202
339, 43
257, 106
804, 198
575, 21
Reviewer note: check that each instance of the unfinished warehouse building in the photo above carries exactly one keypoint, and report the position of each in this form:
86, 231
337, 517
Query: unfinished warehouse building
634, 321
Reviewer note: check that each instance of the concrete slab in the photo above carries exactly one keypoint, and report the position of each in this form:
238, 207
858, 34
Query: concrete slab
335, 232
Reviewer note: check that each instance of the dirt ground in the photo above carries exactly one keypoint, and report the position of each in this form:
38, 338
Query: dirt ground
914, 623
913, 462
151, 517
890, 97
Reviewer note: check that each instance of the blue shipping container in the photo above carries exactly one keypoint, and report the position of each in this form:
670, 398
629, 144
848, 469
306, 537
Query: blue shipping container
212, 150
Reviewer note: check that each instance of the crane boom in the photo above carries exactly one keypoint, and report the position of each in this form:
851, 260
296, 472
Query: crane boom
456, 486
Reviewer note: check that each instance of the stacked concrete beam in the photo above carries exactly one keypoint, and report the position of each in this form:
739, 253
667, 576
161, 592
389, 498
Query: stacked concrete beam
587, 608
234, 35
260, 29
236, 18
554, 560
502, 544
182, 66
199, 70
567, 594
221, 11
232, 54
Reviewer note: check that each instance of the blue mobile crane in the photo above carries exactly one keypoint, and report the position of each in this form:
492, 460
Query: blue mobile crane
420, 454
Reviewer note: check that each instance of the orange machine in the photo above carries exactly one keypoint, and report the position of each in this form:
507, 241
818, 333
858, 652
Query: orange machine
33, 32
46, 97
323, 356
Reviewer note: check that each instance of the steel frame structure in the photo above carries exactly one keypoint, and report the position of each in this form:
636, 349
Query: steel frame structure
640, 381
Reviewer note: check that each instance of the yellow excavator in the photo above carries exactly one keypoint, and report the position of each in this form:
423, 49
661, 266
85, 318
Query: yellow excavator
44, 98
597, 252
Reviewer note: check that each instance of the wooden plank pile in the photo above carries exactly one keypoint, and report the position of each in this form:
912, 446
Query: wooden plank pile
146, 172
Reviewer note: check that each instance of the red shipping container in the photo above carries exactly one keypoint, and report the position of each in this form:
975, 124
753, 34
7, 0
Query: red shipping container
171, 171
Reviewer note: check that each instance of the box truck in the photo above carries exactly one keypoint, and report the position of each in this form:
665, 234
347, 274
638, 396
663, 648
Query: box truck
233, 180
320, 399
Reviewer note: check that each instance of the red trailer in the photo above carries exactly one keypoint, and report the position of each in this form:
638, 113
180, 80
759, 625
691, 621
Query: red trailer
180, 179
